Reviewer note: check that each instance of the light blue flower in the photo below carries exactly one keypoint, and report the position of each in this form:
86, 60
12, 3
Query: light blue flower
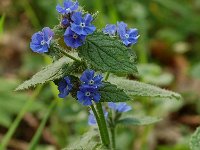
80, 25
72, 39
128, 36
88, 78
87, 94
68, 7
40, 41
119, 107
110, 29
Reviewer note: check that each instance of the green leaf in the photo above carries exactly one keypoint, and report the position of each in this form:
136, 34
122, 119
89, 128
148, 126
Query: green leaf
138, 121
86, 142
195, 140
50, 73
108, 54
110, 93
139, 89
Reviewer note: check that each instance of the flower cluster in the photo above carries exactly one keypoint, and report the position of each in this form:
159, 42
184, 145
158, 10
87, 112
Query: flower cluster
40, 41
77, 25
128, 36
89, 89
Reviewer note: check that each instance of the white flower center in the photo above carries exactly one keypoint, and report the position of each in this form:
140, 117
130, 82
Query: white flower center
87, 94
127, 36
42, 42
91, 82
67, 9
82, 24
75, 36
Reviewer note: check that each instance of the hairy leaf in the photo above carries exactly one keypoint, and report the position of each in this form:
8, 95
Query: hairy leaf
139, 89
51, 72
86, 142
195, 140
108, 54
138, 121
110, 93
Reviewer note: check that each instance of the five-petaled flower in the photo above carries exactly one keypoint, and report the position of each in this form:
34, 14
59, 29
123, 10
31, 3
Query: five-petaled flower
64, 87
110, 29
119, 107
87, 94
80, 25
72, 39
128, 36
40, 41
89, 79
69, 7
92, 120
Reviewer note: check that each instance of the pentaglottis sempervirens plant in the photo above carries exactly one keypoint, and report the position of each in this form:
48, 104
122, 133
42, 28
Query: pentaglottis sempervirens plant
92, 65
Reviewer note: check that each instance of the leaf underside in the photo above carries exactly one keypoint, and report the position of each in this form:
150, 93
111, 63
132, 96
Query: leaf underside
139, 89
138, 121
108, 54
49, 73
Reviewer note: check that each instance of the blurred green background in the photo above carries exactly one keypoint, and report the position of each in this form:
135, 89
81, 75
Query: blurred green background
168, 53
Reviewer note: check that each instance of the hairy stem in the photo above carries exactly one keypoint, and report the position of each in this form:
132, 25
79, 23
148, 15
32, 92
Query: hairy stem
70, 56
103, 123
99, 125
112, 131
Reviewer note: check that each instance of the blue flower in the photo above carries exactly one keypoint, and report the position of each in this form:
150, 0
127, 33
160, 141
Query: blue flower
82, 26
110, 29
92, 120
65, 22
69, 7
128, 36
64, 87
72, 39
40, 41
119, 107
89, 79
87, 94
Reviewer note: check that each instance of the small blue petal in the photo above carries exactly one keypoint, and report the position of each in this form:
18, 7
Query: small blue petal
110, 29
68, 7
119, 107
64, 87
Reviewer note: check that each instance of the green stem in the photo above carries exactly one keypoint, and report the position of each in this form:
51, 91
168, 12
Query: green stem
103, 123
17, 120
112, 130
99, 125
66, 54
37, 135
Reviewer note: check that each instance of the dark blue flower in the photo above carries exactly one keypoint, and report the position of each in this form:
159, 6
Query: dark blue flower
64, 87
119, 107
87, 94
128, 36
65, 22
110, 29
89, 79
40, 41
82, 26
92, 120
72, 39
69, 7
